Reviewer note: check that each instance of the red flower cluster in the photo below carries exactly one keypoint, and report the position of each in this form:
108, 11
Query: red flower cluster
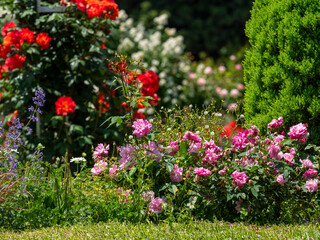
118, 67
12, 41
98, 8
65, 105
231, 128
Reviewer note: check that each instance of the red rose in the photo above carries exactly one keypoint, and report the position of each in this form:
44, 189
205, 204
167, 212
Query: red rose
6, 28
16, 61
43, 39
65, 105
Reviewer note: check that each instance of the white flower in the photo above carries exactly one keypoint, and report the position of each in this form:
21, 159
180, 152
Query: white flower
198, 132
130, 136
218, 114
205, 112
78, 159
161, 20
212, 133
206, 126
190, 205
168, 129
170, 31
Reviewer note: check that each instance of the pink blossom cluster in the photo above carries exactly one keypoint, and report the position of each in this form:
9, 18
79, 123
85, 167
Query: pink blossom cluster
202, 172
100, 152
306, 163
141, 128
155, 206
212, 155
192, 136
125, 196
176, 174
173, 147
240, 178
276, 123
113, 170
299, 132
99, 167
310, 173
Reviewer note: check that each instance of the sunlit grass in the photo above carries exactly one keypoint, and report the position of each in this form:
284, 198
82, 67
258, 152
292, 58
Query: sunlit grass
195, 230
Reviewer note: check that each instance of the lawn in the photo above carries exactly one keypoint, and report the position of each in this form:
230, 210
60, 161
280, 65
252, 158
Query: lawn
193, 230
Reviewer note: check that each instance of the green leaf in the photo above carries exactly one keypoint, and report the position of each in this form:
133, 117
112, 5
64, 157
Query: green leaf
169, 167
163, 187
76, 129
229, 196
132, 171
286, 142
254, 192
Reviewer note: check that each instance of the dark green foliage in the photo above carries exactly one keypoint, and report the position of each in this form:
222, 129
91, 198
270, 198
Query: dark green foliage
282, 66
207, 25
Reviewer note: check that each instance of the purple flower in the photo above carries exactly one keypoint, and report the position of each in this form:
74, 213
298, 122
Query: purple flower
311, 185
126, 153
240, 178
153, 151
141, 128
176, 174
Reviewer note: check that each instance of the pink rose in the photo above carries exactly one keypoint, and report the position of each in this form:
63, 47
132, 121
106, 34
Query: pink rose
201, 81
306, 163
141, 128
202, 172
281, 180
240, 178
311, 185
299, 132
310, 173
176, 174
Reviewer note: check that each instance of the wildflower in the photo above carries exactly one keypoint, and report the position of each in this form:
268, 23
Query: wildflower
113, 170
126, 153
155, 206
78, 159
192, 136
65, 105
172, 148
311, 185
153, 151
101, 151
176, 174
99, 167
240, 178
43, 39
142, 128
148, 196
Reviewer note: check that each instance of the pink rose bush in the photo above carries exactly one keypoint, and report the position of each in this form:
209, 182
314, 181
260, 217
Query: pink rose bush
250, 172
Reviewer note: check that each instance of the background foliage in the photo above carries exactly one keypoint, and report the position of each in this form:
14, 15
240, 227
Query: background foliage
207, 26
282, 65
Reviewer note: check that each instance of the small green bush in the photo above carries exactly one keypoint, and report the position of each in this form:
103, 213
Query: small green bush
282, 66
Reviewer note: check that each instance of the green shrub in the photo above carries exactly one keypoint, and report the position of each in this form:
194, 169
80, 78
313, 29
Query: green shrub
282, 67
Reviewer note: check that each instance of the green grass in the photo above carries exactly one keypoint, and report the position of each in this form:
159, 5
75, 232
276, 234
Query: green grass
196, 230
